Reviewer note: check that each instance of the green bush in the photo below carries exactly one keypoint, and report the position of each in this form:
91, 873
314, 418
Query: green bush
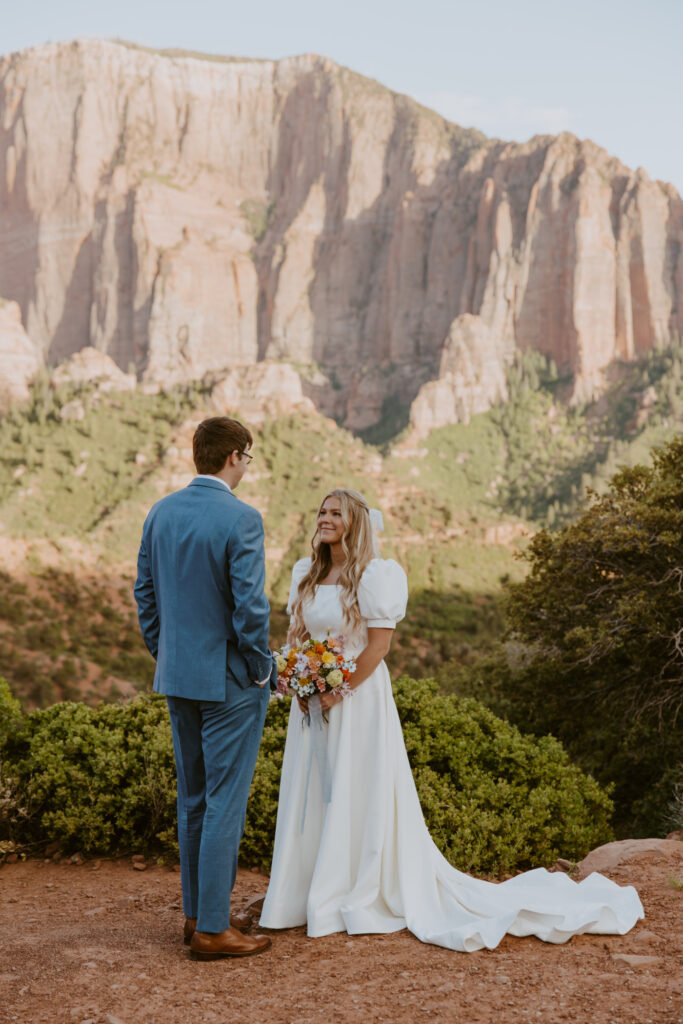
103, 780
494, 799
95, 779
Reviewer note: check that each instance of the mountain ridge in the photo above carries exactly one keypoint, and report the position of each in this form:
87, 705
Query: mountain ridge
187, 213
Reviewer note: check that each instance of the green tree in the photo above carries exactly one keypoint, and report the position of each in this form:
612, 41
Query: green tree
596, 639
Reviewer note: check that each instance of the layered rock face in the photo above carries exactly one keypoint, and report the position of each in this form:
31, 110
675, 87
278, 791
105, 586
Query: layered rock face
187, 215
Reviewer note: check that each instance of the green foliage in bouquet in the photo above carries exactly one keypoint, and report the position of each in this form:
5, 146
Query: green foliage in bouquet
103, 780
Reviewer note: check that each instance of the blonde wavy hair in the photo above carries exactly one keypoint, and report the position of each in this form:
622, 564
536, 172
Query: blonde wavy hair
358, 547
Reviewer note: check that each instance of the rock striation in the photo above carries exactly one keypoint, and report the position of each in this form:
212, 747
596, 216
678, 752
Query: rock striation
185, 215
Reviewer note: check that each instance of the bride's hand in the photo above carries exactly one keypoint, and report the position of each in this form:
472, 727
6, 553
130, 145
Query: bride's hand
303, 704
329, 699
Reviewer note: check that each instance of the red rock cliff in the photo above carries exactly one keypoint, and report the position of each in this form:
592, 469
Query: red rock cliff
185, 215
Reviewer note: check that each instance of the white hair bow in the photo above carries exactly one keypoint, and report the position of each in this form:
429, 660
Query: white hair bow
377, 523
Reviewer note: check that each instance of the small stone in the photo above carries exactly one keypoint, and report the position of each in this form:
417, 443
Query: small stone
94, 911
110, 1019
96, 864
76, 859
138, 858
645, 936
501, 979
52, 848
564, 865
89, 963
139, 866
74, 410
177, 868
253, 906
636, 960
12, 858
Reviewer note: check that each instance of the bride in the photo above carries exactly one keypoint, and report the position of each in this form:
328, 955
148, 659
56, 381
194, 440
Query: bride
357, 856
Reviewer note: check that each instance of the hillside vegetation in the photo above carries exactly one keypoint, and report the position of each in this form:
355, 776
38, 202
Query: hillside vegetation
580, 658
458, 507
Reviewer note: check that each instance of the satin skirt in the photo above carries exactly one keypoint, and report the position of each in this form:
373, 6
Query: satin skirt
365, 862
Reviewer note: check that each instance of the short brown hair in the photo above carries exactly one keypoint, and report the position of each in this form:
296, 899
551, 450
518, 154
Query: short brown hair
214, 440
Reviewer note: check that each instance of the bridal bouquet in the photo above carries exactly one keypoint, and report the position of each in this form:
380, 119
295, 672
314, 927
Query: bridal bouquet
316, 666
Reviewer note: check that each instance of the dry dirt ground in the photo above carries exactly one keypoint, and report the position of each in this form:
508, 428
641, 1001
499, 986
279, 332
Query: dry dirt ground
100, 943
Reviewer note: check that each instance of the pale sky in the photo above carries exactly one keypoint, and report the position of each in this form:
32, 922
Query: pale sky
608, 70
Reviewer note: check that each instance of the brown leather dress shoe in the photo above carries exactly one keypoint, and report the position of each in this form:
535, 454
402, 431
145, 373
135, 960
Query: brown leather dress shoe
207, 946
242, 922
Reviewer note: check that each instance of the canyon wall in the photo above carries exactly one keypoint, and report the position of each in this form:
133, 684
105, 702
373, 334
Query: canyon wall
187, 215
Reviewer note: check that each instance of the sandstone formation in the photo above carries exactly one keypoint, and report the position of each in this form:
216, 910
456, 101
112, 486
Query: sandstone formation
260, 391
19, 360
187, 215
89, 365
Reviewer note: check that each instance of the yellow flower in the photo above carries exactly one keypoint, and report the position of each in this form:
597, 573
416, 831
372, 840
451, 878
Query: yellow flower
281, 663
328, 659
335, 678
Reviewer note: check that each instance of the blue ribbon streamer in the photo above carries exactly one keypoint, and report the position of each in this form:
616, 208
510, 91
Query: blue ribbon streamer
318, 745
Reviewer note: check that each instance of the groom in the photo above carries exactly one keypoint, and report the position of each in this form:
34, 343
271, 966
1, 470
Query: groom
204, 617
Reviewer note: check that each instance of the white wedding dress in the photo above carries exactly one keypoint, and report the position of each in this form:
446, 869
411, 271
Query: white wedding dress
365, 862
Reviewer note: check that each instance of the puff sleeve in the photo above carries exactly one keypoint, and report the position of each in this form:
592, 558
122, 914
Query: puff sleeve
383, 594
298, 572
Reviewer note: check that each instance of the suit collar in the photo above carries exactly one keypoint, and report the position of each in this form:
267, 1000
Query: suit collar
213, 482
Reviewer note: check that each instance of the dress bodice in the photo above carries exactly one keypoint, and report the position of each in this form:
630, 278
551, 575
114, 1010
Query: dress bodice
382, 599
324, 616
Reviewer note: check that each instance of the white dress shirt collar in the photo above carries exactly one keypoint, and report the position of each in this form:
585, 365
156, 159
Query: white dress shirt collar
210, 476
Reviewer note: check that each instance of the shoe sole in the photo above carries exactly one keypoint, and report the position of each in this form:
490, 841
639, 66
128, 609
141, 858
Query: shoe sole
195, 955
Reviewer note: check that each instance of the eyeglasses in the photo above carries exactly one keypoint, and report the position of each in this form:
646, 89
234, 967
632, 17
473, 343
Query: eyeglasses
248, 457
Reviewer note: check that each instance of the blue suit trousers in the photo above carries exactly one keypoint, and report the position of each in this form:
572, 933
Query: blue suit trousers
216, 745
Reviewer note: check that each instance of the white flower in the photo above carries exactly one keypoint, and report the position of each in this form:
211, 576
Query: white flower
335, 678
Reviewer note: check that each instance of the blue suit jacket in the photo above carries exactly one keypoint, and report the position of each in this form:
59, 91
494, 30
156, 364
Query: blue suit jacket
201, 603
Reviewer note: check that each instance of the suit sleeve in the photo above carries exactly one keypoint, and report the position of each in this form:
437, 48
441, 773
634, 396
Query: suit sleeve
247, 572
148, 611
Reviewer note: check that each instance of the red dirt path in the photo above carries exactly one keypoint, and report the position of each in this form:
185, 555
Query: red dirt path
101, 943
